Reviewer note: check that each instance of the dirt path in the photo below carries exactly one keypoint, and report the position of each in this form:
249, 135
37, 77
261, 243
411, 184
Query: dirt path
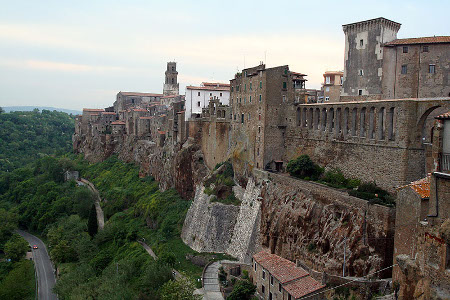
98, 208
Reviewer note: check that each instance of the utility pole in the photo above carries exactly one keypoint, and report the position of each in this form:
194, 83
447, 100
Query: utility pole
345, 248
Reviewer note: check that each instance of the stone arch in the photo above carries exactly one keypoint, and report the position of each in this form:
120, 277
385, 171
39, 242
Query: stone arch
424, 122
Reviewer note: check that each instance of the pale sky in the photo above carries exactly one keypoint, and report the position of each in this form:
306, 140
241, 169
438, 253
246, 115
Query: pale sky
75, 54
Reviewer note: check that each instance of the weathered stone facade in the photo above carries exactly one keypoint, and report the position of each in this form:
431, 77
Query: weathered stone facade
171, 85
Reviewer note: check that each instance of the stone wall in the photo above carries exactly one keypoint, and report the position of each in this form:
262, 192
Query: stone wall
215, 142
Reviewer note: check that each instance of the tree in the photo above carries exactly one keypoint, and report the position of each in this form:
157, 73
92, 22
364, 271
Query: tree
243, 290
19, 283
92, 221
1, 110
16, 248
303, 167
8, 222
181, 289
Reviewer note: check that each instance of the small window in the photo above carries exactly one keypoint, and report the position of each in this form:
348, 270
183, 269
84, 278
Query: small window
284, 85
198, 103
220, 94
327, 98
242, 118
260, 98
432, 69
263, 289
360, 92
342, 80
255, 263
259, 127
250, 86
405, 49
260, 84
327, 80
198, 93
360, 72
210, 94
263, 274
404, 69
260, 120
172, 80
361, 43
231, 88
258, 151
279, 287
425, 48
327, 89
284, 98
237, 88
250, 99
173, 68
240, 100
271, 280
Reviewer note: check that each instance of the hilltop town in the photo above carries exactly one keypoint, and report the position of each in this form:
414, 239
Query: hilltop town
374, 214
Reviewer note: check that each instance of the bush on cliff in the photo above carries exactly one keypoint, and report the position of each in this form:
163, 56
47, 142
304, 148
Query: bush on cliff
303, 167
220, 184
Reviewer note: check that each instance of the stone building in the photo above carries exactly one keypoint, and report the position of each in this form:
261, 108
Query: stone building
380, 66
197, 97
127, 100
171, 85
422, 235
332, 83
416, 68
260, 99
279, 278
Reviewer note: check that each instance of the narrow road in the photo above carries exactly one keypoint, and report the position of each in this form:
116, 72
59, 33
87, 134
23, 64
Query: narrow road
211, 282
98, 208
44, 268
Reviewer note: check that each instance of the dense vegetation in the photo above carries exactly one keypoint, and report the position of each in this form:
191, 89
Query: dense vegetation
221, 183
303, 167
26, 136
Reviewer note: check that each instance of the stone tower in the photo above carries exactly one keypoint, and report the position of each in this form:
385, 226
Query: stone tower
171, 86
363, 61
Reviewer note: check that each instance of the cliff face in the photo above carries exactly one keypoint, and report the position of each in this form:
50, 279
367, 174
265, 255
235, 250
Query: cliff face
296, 220
178, 166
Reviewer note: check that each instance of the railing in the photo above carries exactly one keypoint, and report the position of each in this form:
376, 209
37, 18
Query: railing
445, 162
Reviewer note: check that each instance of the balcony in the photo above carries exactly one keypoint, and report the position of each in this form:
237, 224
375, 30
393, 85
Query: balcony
445, 162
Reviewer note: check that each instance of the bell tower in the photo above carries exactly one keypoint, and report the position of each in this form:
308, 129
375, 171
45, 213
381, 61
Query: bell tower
171, 86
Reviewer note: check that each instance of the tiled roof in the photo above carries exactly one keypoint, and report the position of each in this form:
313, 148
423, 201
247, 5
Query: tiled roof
298, 74
207, 88
421, 40
145, 118
93, 109
281, 268
216, 84
333, 73
139, 109
421, 187
141, 94
445, 116
109, 113
303, 286
161, 132
117, 123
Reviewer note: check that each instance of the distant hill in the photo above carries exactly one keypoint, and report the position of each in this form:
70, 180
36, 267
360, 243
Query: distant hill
30, 108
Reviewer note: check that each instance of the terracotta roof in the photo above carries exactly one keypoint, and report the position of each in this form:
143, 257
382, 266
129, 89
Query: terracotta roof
145, 118
281, 268
208, 88
421, 40
298, 74
216, 84
161, 132
117, 123
139, 109
93, 109
303, 287
421, 187
140, 94
109, 113
445, 116
333, 73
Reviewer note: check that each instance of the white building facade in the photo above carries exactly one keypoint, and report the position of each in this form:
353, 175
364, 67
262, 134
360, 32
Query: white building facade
198, 97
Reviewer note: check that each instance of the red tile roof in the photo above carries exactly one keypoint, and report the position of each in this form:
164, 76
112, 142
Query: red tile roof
161, 132
208, 88
281, 268
303, 286
139, 109
117, 123
445, 116
145, 118
216, 84
93, 109
422, 187
421, 40
109, 113
141, 94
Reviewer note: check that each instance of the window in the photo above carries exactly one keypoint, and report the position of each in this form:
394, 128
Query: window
258, 151
260, 84
342, 80
248, 117
270, 296
361, 43
264, 274
271, 280
279, 287
259, 127
198, 93
284, 98
260, 98
250, 99
432, 69
210, 94
255, 266
327, 80
260, 120
327, 98
240, 100
245, 87
220, 94
284, 85
360, 92
250, 86
172, 81
405, 49
360, 72
285, 71
425, 48
263, 289
237, 88
173, 68
242, 118
232, 88
289, 297
327, 89
404, 69
198, 103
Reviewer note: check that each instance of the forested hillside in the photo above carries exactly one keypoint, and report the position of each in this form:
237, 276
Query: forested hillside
26, 136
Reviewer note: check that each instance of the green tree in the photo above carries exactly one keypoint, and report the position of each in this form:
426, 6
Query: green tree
242, 290
19, 283
303, 167
8, 222
1, 110
181, 289
92, 221
16, 247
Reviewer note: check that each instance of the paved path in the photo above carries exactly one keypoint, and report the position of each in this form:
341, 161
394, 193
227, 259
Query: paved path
44, 268
98, 208
211, 288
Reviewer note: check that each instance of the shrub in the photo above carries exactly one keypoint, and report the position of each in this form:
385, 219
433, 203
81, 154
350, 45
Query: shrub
303, 166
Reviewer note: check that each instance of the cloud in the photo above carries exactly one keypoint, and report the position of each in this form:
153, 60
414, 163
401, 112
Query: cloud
56, 66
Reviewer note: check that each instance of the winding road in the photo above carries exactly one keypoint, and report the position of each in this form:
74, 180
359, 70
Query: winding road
44, 268
98, 208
